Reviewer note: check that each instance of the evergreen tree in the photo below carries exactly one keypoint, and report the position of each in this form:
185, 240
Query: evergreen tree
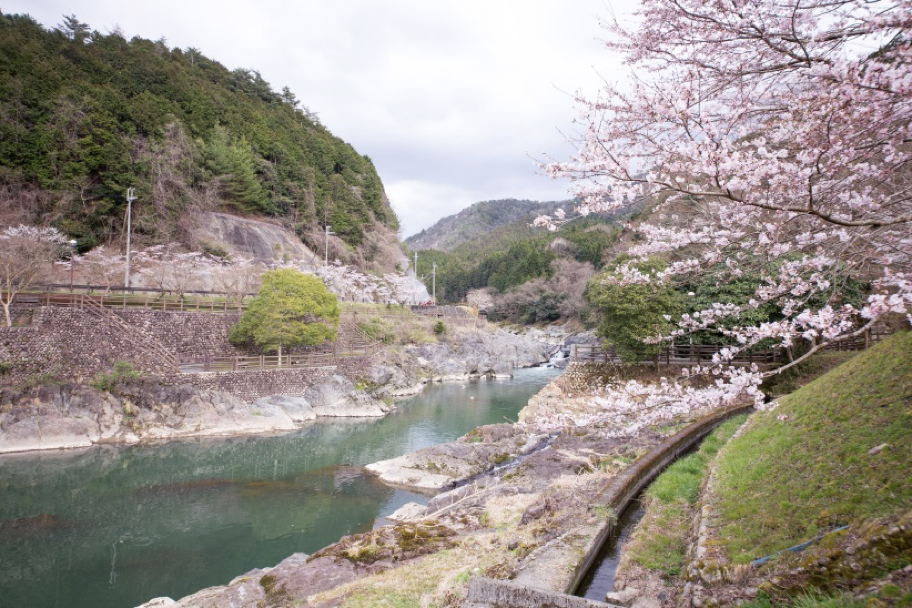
291, 309
73, 28
632, 315
245, 186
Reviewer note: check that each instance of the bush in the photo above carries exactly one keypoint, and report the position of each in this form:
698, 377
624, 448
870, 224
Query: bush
377, 329
632, 316
122, 370
439, 328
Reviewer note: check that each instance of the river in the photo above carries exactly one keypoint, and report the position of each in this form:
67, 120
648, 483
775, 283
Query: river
116, 526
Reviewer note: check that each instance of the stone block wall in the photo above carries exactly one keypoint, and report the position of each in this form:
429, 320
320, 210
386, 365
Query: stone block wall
252, 385
70, 343
187, 334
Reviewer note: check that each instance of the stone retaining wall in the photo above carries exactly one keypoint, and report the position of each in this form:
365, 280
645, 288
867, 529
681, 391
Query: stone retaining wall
69, 343
252, 385
187, 334
76, 344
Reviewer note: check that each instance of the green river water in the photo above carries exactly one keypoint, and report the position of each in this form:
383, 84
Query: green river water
117, 526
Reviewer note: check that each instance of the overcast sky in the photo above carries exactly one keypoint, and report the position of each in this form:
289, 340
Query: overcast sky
451, 100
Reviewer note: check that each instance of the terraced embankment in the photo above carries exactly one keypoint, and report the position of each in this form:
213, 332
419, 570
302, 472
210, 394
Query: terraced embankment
829, 464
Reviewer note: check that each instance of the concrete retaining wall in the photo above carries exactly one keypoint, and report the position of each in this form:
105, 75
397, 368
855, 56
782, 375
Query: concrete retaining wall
485, 592
634, 479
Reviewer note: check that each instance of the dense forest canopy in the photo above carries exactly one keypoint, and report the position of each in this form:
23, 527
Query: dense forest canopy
514, 254
85, 115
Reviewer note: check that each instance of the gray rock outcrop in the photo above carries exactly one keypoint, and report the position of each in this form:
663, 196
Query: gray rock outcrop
463, 356
260, 241
445, 465
77, 415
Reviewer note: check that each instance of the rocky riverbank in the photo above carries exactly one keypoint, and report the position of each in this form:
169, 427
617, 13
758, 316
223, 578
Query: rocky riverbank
463, 356
58, 415
516, 504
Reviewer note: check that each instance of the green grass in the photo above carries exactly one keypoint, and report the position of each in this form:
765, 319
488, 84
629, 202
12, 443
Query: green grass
795, 377
890, 594
789, 479
660, 542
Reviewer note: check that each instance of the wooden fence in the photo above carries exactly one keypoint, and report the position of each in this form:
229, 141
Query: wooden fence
126, 300
683, 355
696, 354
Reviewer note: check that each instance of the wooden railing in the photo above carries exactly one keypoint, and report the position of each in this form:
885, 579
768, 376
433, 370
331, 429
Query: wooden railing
254, 363
444, 311
686, 354
695, 354
129, 301
861, 342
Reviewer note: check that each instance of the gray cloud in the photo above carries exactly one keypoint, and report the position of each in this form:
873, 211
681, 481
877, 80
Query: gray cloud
448, 98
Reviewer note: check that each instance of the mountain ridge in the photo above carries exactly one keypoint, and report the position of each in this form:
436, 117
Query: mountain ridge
478, 219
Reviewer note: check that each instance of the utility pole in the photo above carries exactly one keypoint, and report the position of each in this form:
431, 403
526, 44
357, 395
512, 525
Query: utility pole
415, 268
72, 245
131, 196
326, 257
434, 282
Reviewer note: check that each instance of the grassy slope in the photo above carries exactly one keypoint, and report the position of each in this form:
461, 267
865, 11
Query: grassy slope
660, 542
789, 479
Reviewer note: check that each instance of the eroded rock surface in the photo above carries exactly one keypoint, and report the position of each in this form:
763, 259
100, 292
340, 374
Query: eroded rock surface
77, 415
463, 356
442, 466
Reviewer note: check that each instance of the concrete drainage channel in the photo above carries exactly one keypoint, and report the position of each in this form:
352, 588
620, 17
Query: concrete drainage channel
491, 593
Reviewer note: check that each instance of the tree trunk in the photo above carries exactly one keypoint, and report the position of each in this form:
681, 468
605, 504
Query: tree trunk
6, 311
280, 354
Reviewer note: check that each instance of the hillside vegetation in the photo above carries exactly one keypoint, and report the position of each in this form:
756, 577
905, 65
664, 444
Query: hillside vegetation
529, 274
481, 219
86, 115
811, 464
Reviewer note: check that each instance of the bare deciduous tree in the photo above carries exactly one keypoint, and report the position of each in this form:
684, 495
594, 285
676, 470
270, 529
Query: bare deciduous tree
26, 255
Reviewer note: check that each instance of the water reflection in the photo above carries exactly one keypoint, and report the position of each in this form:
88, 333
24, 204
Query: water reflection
115, 526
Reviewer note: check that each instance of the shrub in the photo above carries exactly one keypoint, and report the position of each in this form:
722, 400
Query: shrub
122, 370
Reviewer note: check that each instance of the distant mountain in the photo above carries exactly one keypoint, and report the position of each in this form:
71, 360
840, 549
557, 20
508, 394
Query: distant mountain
480, 219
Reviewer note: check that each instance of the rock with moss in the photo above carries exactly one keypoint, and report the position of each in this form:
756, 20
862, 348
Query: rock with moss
443, 466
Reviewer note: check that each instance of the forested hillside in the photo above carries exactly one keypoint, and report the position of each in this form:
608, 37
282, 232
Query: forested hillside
492, 254
480, 219
86, 115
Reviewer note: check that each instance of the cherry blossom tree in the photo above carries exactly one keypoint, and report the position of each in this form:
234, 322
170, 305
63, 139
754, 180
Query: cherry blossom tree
26, 255
101, 267
175, 271
773, 136
238, 278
